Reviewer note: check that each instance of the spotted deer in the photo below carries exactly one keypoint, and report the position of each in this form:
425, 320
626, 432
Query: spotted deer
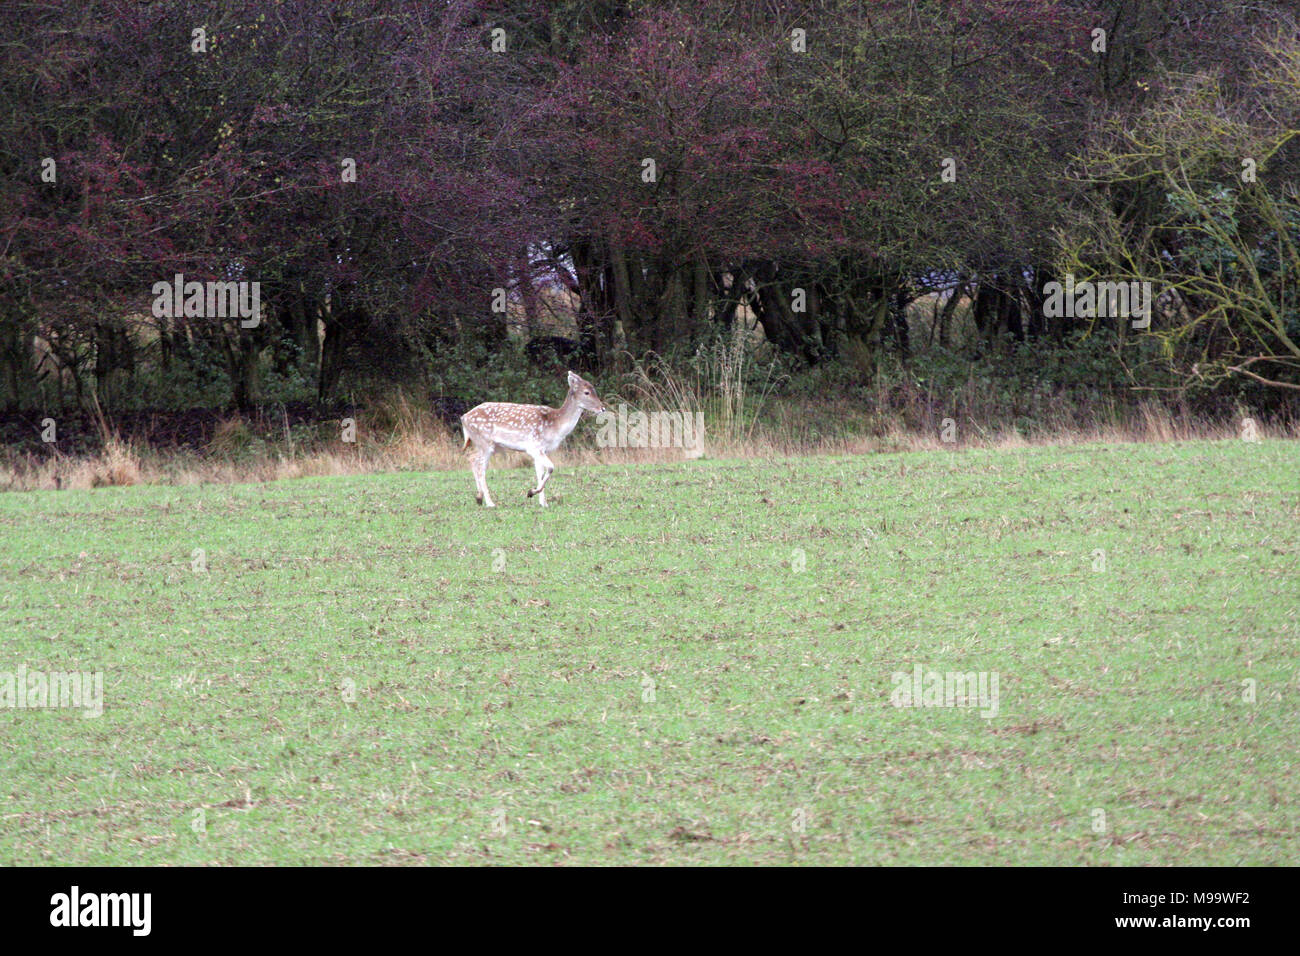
535, 429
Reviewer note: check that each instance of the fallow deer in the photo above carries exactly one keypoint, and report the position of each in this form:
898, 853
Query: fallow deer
535, 429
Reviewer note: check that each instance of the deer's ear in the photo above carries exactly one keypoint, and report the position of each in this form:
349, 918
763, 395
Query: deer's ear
574, 381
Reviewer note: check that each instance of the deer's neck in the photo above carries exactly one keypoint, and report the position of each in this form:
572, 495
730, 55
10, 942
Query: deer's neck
566, 416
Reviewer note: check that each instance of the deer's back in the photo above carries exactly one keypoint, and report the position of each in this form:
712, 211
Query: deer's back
506, 423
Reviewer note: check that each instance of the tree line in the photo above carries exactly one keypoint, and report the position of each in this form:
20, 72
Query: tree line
401, 178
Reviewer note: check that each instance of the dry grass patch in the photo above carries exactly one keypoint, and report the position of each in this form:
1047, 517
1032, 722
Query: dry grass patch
398, 436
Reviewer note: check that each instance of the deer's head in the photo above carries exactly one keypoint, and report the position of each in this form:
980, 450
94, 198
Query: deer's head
584, 393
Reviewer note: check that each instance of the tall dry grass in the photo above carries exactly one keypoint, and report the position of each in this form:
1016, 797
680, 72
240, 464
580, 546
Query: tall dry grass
719, 382
396, 434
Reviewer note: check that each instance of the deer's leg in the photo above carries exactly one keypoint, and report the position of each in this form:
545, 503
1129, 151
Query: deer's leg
539, 470
475, 463
482, 476
475, 453
543, 466
478, 461
550, 469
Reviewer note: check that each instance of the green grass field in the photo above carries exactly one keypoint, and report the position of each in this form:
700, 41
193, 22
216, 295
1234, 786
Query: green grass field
673, 664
